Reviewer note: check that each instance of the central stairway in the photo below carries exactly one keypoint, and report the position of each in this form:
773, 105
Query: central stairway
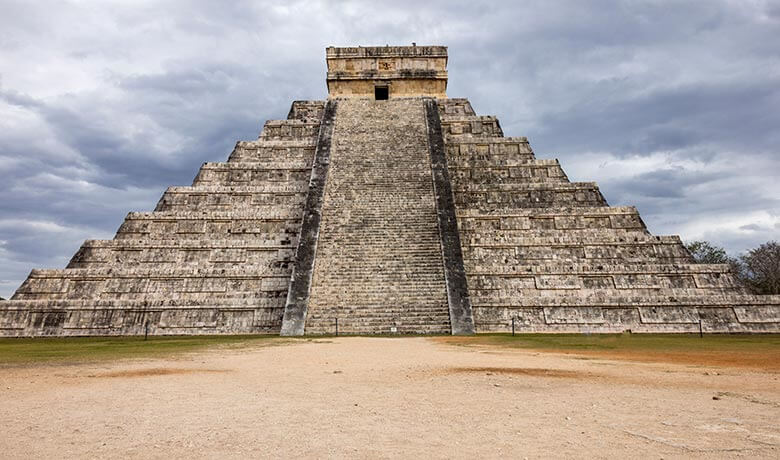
378, 266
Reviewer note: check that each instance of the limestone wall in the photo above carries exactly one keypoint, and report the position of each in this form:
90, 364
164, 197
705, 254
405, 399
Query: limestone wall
399, 87
408, 71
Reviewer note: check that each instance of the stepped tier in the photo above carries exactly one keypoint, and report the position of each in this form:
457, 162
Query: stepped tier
257, 255
214, 257
532, 242
214, 224
541, 171
282, 130
489, 152
456, 126
185, 315
257, 174
455, 106
552, 220
128, 283
585, 279
365, 319
306, 111
266, 151
269, 197
527, 195
644, 313
592, 247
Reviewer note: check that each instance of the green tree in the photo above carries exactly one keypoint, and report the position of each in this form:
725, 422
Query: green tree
705, 253
761, 268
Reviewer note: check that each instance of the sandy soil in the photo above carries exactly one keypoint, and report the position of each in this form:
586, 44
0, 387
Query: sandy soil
388, 397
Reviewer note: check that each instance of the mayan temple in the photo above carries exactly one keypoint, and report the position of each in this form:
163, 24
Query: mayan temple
387, 208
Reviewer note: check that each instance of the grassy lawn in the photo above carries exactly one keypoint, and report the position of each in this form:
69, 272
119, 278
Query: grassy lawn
755, 351
81, 349
625, 342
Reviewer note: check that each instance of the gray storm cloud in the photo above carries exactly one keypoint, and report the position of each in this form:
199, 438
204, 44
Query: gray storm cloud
671, 106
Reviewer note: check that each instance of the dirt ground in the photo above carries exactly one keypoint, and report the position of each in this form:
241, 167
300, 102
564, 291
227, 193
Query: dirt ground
389, 397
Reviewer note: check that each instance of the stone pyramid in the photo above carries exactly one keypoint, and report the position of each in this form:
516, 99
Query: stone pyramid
388, 208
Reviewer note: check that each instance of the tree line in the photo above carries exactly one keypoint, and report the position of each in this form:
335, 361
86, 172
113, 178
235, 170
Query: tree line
758, 269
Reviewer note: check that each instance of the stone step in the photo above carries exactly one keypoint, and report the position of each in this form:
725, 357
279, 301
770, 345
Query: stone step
412, 294
186, 314
527, 195
506, 162
413, 290
371, 316
268, 198
370, 326
488, 151
151, 302
531, 171
462, 125
513, 238
265, 150
264, 256
358, 320
125, 283
613, 256
375, 312
455, 106
579, 277
252, 173
491, 258
290, 129
628, 299
261, 244
387, 330
585, 268
487, 160
551, 219
644, 312
228, 224
309, 111
386, 237
348, 325
526, 187
487, 296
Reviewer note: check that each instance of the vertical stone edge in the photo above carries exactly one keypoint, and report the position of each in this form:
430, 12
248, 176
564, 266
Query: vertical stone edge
295, 308
461, 318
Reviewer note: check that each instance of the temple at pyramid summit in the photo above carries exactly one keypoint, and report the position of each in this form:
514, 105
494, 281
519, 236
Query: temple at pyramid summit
387, 208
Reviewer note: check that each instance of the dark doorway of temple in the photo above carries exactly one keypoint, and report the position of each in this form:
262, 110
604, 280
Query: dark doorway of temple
381, 93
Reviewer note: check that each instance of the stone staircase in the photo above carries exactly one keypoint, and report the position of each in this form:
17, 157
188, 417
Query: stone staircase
379, 262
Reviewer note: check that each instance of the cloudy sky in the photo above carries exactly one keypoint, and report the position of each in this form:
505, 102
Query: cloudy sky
673, 106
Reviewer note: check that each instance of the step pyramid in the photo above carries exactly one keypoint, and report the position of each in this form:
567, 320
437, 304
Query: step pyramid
388, 208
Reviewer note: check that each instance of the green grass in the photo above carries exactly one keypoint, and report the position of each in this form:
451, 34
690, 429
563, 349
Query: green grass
14, 352
81, 349
631, 342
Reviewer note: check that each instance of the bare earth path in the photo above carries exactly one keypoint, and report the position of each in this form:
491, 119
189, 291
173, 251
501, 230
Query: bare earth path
387, 397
